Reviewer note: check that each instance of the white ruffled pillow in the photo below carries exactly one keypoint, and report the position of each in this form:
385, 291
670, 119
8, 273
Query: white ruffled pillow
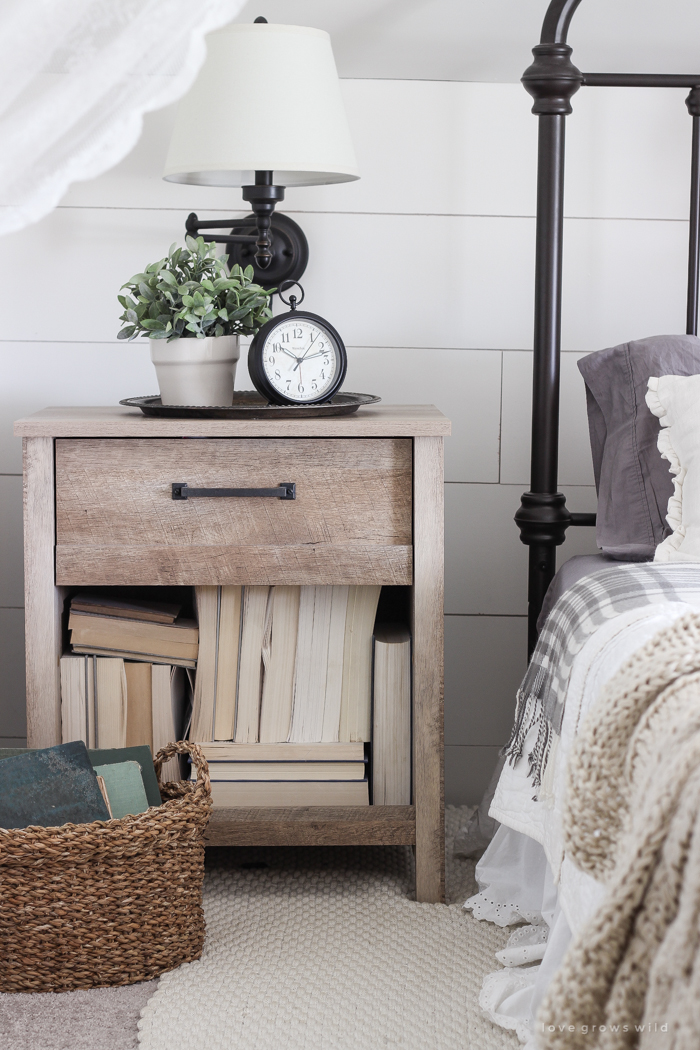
676, 401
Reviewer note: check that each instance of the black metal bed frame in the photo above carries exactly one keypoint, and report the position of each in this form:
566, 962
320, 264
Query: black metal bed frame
552, 79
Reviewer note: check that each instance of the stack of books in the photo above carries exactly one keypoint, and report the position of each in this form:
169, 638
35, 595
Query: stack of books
150, 631
287, 774
291, 683
287, 665
280, 664
108, 702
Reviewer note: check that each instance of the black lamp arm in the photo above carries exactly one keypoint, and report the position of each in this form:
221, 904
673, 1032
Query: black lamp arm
262, 197
194, 224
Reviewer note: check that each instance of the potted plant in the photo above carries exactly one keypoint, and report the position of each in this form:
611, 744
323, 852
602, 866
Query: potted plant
193, 311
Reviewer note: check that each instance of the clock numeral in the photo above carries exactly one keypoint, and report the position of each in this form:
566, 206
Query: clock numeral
326, 362
300, 388
277, 374
323, 374
298, 333
289, 383
284, 337
277, 348
313, 385
321, 345
271, 360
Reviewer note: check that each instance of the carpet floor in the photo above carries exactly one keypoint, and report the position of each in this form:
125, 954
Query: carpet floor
320, 949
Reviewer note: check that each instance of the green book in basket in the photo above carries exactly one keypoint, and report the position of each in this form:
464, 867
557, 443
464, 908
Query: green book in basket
142, 755
124, 787
50, 787
109, 755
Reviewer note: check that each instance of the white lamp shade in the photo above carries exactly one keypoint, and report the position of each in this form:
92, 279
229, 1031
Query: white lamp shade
267, 99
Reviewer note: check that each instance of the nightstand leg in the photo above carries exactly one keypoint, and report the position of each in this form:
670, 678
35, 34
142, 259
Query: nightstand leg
42, 600
428, 630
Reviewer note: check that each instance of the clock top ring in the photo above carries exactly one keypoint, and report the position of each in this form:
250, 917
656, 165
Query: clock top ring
297, 358
292, 302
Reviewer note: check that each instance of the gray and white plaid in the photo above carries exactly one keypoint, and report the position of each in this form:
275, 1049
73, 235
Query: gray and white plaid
580, 611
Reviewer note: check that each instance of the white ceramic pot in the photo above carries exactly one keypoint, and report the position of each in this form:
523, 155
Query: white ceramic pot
196, 371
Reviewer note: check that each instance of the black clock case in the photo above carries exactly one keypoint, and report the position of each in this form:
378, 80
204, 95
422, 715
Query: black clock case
257, 372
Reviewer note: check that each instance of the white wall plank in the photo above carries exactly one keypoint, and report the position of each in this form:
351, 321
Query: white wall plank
11, 543
13, 721
441, 288
485, 660
39, 374
485, 562
447, 282
464, 384
575, 463
628, 153
468, 770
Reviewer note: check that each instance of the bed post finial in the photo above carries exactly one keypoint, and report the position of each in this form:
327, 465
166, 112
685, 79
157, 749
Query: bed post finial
552, 79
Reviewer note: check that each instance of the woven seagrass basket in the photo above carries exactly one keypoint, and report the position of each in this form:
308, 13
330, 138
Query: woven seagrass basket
107, 903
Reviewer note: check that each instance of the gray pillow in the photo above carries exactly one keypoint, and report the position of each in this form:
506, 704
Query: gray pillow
632, 480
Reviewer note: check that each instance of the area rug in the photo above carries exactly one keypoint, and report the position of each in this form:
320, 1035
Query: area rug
97, 1019
325, 949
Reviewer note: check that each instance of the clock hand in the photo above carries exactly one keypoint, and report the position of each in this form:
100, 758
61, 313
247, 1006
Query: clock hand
303, 357
320, 353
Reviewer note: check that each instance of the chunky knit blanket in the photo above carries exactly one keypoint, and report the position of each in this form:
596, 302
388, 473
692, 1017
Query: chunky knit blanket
579, 612
632, 819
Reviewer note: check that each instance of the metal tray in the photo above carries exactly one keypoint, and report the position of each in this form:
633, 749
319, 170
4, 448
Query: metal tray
249, 404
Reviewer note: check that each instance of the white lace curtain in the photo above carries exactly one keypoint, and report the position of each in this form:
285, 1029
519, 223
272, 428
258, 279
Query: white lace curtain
76, 78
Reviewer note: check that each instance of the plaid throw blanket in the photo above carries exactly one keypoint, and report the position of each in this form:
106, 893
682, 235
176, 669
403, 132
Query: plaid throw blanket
576, 616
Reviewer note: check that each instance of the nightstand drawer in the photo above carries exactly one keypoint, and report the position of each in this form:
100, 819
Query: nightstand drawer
117, 521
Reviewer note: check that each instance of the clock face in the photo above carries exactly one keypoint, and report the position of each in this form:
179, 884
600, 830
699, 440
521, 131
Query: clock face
301, 360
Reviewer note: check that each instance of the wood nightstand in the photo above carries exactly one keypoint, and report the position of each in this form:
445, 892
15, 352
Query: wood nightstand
369, 510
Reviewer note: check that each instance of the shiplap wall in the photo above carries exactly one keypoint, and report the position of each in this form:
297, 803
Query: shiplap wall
426, 268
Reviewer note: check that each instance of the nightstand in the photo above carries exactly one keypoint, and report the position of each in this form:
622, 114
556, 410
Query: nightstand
99, 511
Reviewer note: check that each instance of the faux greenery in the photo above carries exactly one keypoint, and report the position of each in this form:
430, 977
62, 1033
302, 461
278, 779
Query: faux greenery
191, 294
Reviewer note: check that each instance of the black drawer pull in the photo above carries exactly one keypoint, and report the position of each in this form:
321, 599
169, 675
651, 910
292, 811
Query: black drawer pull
285, 490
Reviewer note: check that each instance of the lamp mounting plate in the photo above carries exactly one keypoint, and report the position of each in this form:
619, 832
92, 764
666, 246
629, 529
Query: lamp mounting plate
290, 250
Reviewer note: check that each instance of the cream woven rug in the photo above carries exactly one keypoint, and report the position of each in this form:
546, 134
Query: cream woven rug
323, 949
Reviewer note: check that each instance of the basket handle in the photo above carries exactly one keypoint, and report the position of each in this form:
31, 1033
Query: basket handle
183, 747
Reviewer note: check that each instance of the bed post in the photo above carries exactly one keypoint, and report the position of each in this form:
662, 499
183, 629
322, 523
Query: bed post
543, 517
693, 104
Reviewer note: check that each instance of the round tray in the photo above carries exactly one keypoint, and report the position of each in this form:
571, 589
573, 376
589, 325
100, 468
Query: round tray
249, 404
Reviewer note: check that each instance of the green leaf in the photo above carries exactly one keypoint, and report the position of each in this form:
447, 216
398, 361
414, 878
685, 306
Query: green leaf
132, 316
127, 332
151, 325
168, 278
